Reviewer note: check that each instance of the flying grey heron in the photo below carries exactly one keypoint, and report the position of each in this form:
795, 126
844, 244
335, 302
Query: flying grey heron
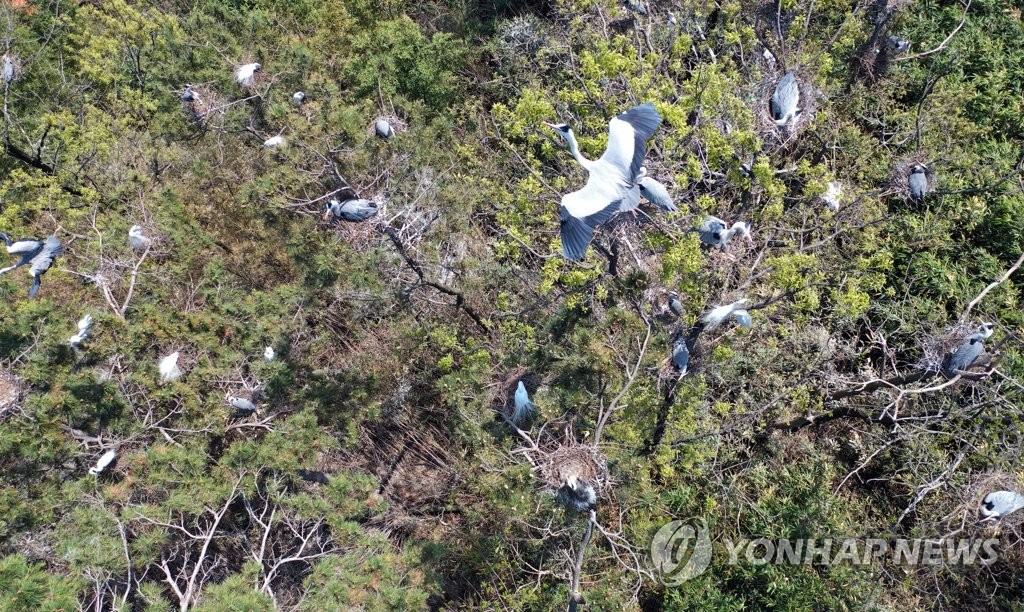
524, 407
84, 327
103, 462
354, 210
968, 352
42, 261
246, 74
612, 182
169, 369
275, 141
833, 195
785, 100
137, 240
268, 354
383, 128
999, 504
576, 494
714, 232
298, 98
716, 316
656, 193
26, 247
918, 182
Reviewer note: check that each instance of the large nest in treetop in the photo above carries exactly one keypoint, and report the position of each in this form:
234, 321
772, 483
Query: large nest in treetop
899, 180
968, 500
560, 458
935, 349
397, 124
503, 392
659, 299
206, 103
764, 123
10, 391
360, 235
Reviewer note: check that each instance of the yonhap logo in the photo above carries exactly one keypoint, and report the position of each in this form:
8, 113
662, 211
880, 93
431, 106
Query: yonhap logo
681, 550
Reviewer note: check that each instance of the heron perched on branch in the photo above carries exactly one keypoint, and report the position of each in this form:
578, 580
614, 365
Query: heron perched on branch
137, 240
383, 128
269, 354
714, 232
103, 462
968, 352
240, 403
999, 504
245, 75
352, 210
918, 182
298, 98
169, 369
576, 493
524, 407
275, 141
612, 184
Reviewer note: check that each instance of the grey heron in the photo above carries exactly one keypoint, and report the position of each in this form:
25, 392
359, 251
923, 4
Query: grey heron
26, 247
240, 403
169, 369
656, 193
612, 182
968, 352
636, 6
245, 75
298, 98
8, 69
832, 196
576, 494
714, 232
103, 462
354, 210
383, 128
268, 354
918, 182
785, 100
674, 304
999, 504
84, 327
188, 94
42, 261
680, 354
897, 45
274, 141
137, 240
743, 318
716, 316
524, 407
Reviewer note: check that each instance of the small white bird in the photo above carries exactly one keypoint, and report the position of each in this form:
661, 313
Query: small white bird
169, 369
84, 326
103, 462
715, 317
1000, 503
274, 141
298, 98
269, 354
833, 195
240, 403
138, 240
524, 407
246, 74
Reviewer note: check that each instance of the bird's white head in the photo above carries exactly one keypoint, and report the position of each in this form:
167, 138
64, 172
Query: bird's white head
918, 169
562, 129
94, 471
986, 329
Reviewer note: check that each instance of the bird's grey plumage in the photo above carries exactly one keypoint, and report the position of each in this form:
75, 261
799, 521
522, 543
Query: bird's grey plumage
8, 70
743, 318
636, 6
896, 45
577, 494
714, 232
785, 99
26, 247
354, 210
612, 182
137, 240
965, 355
383, 128
680, 354
42, 262
656, 193
675, 305
188, 94
103, 462
241, 403
918, 182
525, 409
1000, 503
313, 476
298, 98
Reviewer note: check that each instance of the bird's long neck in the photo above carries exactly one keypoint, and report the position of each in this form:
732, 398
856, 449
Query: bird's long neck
574, 148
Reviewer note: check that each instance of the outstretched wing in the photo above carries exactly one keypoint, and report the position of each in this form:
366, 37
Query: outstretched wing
42, 262
627, 139
582, 212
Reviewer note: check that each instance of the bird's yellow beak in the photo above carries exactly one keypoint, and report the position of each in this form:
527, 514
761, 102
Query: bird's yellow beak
551, 125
